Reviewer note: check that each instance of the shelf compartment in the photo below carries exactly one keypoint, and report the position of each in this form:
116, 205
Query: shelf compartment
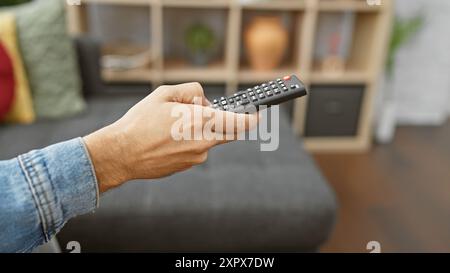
179, 62
352, 52
121, 37
117, 24
138, 74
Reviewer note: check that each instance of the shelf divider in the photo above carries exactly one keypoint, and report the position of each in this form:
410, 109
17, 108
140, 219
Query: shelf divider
305, 62
233, 48
156, 37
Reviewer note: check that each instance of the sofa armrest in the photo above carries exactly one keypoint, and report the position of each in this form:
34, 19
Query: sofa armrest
88, 52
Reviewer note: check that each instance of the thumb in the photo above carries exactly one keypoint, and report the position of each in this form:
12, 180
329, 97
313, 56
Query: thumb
187, 93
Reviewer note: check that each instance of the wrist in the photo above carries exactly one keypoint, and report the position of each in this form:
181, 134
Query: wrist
106, 152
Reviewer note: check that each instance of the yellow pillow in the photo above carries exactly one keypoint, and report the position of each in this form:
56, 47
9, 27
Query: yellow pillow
22, 109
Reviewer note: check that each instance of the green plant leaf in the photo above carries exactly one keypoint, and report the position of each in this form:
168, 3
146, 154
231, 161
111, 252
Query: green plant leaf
403, 31
200, 37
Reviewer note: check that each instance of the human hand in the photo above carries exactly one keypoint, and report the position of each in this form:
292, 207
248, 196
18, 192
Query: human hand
140, 145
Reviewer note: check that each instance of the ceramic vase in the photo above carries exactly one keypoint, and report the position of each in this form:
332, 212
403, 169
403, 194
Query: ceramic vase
266, 41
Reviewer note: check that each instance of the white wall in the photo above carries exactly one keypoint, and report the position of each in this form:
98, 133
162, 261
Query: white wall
422, 74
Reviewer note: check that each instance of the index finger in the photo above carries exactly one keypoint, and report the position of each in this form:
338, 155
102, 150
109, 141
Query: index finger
228, 123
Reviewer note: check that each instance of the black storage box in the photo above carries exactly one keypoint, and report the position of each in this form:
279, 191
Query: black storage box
333, 110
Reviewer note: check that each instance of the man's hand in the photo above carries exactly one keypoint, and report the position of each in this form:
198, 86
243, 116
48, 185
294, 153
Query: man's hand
140, 144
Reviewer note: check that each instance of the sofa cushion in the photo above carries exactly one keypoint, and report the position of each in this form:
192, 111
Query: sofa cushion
50, 59
21, 109
7, 82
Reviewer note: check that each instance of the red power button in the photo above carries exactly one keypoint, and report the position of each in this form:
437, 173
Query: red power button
286, 78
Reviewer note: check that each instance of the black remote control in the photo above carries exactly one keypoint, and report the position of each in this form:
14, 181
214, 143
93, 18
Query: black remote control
269, 93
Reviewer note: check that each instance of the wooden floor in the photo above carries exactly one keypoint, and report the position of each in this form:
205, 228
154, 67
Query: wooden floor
397, 194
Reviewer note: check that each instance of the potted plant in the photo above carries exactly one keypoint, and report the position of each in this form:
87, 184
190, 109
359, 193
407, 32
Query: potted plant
200, 41
403, 30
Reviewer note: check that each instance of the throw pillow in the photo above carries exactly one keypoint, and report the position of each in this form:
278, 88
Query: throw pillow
13, 80
7, 82
50, 58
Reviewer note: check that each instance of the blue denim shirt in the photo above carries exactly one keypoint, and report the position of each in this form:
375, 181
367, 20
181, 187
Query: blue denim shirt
41, 190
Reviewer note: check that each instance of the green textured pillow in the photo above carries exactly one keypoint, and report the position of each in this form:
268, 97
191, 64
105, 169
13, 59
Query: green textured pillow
49, 57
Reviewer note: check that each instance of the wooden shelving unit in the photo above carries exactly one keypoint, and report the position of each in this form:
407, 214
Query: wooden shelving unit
369, 47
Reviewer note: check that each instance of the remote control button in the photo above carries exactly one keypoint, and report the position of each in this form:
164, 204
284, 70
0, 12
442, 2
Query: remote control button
238, 103
269, 93
286, 78
244, 96
215, 105
277, 91
215, 101
230, 100
261, 96
258, 91
266, 89
238, 98
254, 98
245, 102
271, 82
225, 107
222, 98
285, 89
224, 102
264, 85
251, 93
249, 89
273, 86
295, 86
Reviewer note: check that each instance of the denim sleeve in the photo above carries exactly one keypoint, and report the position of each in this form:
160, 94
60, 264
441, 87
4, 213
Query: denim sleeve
41, 190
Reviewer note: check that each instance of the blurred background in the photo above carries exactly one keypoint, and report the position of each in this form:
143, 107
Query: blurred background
364, 158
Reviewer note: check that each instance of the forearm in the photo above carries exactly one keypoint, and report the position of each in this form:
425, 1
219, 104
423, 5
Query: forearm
106, 151
41, 190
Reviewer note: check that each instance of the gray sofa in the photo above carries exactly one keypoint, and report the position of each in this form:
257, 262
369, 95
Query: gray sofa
241, 199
